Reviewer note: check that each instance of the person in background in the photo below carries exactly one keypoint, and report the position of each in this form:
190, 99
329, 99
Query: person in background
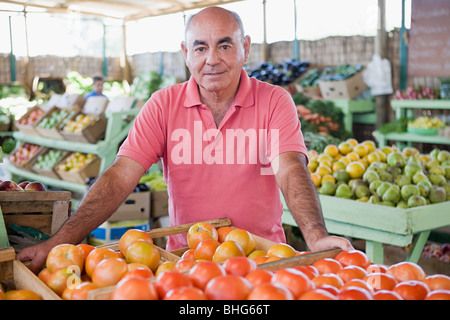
193, 128
97, 88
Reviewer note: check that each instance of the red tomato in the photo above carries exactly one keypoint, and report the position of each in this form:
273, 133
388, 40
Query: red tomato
270, 291
240, 266
355, 293
294, 280
329, 279
143, 252
204, 271
438, 295
186, 293
380, 281
58, 280
386, 295
222, 233
227, 250
281, 250
81, 291
109, 271
351, 272
85, 248
135, 289
376, 268
405, 271
244, 238
200, 231
63, 256
188, 254
165, 266
353, 258
359, 283
205, 249
259, 276
139, 272
94, 258
327, 265
170, 280
412, 290
228, 287
131, 236
310, 271
183, 265
318, 294
437, 282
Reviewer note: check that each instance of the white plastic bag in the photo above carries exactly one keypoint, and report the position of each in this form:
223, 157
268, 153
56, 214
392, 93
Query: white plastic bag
378, 76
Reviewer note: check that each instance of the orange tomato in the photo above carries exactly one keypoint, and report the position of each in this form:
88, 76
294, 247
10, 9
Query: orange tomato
282, 250
58, 280
135, 289
85, 248
243, 238
183, 265
270, 259
63, 256
327, 265
437, 282
165, 266
359, 283
330, 279
351, 272
139, 272
257, 253
226, 250
109, 271
134, 265
310, 271
22, 295
380, 281
386, 295
270, 291
412, 290
438, 295
43, 275
188, 254
200, 231
240, 266
131, 236
376, 268
228, 287
405, 271
205, 249
204, 271
222, 233
259, 276
143, 252
353, 258
294, 280
82, 290
94, 258
169, 280
317, 294
355, 293
186, 293
331, 289
260, 259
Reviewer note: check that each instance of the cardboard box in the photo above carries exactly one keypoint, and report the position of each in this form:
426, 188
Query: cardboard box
90, 170
346, 89
109, 232
51, 173
95, 129
16, 160
135, 207
159, 204
30, 128
310, 92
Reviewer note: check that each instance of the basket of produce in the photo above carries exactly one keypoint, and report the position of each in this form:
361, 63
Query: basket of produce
425, 126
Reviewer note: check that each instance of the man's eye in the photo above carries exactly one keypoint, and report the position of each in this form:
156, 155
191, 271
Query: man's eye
225, 46
200, 49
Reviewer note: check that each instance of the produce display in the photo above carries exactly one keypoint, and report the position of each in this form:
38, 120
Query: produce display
137, 272
78, 124
48, 160
75, 162
9, 185
339, 73
412, 93
55, 118
24, 153
31, 118
388, 176
279, 74
425, 122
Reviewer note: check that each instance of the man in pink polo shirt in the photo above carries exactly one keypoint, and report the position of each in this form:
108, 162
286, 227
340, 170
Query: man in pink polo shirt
228, 144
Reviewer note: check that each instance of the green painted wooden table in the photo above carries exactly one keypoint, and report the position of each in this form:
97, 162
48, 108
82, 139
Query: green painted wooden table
380, 225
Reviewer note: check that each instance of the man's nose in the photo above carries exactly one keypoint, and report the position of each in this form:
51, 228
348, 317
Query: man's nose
213, 57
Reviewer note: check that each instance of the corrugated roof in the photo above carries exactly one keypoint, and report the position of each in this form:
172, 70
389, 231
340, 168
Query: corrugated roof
127, 10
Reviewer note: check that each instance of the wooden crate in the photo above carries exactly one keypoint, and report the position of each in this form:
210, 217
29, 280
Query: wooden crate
261, 243
14, 275
43, 210
90, 170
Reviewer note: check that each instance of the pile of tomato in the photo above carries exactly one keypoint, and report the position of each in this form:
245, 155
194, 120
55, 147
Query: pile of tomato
223, 264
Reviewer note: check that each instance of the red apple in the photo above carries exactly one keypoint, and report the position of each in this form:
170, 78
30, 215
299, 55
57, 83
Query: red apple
9, 186
35, 186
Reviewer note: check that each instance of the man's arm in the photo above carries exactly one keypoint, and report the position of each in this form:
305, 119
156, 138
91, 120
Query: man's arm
100, 202
301, 198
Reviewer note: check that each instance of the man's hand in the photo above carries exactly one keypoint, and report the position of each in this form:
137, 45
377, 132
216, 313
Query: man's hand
331, 242
36, 254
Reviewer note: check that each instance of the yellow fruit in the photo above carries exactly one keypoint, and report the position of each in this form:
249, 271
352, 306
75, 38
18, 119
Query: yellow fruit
331, 150
338, 165
345, 147
328, 177
355, 169
312, 153
325, 162
316, 178
324, 156
381, 154
353, 156
345, 160
371, 146
373, 157
364, 162
361, 150
312, 165
323, 170
353, 142
387, 150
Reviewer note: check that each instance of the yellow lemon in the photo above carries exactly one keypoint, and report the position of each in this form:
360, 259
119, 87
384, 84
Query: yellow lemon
328, 177
331, 150
345, 147
352, 141
312, 165
323, 170
361, 150
338, 165
316, 178
353, 156
371, 146
373, 157
355, 169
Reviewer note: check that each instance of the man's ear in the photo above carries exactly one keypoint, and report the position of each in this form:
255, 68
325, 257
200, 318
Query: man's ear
247, 45
184, 49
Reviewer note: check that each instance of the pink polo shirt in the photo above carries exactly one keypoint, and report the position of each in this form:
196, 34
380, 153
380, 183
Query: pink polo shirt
218, 172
